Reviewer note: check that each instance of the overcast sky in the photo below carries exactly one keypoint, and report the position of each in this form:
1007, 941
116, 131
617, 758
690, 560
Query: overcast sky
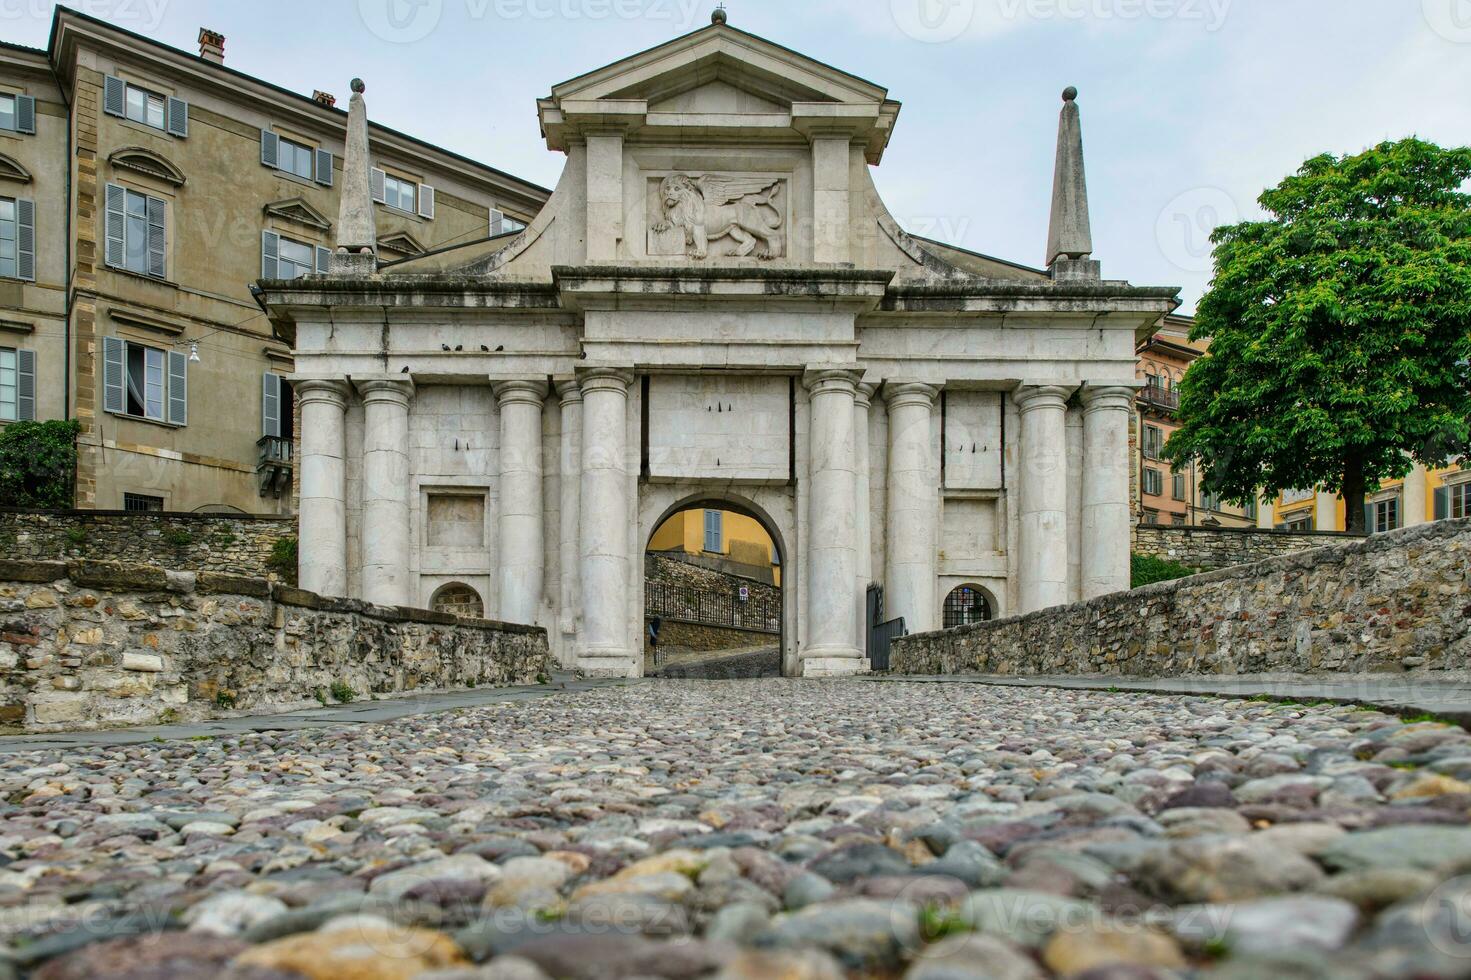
1190, 107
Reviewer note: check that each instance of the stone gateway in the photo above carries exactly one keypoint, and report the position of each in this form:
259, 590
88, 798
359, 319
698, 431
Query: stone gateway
715, 307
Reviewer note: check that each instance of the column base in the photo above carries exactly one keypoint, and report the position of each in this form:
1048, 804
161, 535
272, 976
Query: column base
605, 662
833, 662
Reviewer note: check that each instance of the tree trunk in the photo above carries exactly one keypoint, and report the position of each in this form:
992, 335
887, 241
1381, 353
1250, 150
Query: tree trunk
1353, 497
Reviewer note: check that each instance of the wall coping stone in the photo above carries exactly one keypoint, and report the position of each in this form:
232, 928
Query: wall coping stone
20, 570
1189, 530
186, 515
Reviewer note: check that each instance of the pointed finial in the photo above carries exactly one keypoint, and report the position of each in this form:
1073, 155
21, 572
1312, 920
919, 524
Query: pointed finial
1070, 235
718, 17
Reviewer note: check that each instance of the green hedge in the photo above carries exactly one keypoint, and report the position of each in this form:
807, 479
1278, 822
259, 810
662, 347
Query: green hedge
37, 460
1147, 569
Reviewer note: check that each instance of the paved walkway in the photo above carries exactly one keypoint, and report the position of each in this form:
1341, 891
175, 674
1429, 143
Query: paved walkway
1448, 699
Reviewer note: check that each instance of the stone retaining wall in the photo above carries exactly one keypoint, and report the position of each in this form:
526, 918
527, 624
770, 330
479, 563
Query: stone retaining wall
1396, 602
97, 645
1209, 548
236, 543
675, 635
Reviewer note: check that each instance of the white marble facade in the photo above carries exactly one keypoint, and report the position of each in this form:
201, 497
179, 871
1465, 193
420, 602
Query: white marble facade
715, 306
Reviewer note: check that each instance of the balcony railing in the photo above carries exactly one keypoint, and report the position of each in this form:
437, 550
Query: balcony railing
1159, 398
274, 465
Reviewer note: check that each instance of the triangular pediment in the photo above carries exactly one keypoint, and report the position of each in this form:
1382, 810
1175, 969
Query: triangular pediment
717, 95
298, 211
400, 243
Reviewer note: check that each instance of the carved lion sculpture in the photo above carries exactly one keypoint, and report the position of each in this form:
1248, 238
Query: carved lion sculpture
713, 207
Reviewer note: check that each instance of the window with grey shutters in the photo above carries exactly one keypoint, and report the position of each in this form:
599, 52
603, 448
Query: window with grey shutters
17, 113
144, 382
17, 238
17, 385
714, 531
178, 117
426, 201
377, 185
324, 167
137, 104
286, 258
276, 407
136, 236
324, 256
270, 148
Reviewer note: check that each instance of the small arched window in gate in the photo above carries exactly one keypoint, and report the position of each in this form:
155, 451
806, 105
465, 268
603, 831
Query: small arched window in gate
966, 604
458, 599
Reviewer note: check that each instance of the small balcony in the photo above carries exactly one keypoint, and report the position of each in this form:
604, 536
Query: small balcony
274, 465
1160, 399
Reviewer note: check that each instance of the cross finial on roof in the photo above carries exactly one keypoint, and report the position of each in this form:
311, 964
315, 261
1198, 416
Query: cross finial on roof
718, 17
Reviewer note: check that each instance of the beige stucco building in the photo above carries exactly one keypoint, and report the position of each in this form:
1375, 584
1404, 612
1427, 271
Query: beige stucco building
715, 308
161, 185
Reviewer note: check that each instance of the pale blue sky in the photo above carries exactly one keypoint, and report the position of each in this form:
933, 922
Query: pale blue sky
1190, 107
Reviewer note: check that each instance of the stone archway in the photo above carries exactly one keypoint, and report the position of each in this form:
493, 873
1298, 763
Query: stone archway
458, 599
967, 604
773, 508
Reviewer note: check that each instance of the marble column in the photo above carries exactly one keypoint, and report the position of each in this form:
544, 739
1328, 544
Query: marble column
862, 518
522, 530
1105, 513
606, 569
1325, 511
322, 536
570, 468
832, 560
1415, 505
1042, 565
386, 491
913, 508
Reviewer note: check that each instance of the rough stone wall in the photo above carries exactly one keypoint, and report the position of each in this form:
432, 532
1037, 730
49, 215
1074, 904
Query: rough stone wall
96, 645
1396, 602
233, 543
1209, 548
678, 636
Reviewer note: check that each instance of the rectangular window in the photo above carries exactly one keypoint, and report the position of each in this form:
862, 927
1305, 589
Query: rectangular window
1210, 501
276, 407
1386, 515
1154, 441
401, 194
128, 101
145, 107
295, 158
144, 382
17, 113
141, 502
1298, 522
1251, 510
1178, 519
1154, 481
1177, 486
136, 237
1460, 499
294, 259
714, 532
9, 239
1151, 517
9, 385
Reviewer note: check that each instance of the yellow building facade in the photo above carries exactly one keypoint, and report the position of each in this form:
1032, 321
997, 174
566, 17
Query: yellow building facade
735, 537
1422, 496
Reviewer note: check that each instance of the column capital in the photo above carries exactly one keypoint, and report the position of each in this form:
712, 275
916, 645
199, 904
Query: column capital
604, 379
818, 380
569, 392
863, 394
392, 390
1109, 396
903, 394
1033, 396
520, 392
327, 391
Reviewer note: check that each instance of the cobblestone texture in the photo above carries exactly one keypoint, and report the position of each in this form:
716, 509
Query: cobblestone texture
1396, 602
756, 829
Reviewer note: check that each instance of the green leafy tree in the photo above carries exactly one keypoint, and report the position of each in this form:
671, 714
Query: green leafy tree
1340, 330
36, 464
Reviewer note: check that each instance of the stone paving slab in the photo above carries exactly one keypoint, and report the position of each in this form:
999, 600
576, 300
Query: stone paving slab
1446, 698
353, 713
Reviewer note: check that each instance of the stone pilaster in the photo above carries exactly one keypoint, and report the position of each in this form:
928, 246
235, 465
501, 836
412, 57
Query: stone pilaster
862, 517
522, 522
570, 467
322, 538
1042, 565
385, 528
832, 564
604, 196
1105, 518
831, 193
606, 648
913, 507
1415, 505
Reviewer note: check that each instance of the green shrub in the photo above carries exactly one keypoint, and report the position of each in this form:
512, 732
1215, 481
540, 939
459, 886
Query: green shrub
77, 535
176, 537
225, 699
283, 559
342, 692
37, 460
1147, 569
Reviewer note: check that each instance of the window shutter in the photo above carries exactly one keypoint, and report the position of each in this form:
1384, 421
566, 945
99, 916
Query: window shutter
1442, 503
116, 202
375, 184
25, 390
157, 240
270, 247
176, 116
270, 148
178, 388
270, 405
25, 239
323, 167
114, 398
426, 201
324, 258
25, 114
1369, 518
497, 222
114, 95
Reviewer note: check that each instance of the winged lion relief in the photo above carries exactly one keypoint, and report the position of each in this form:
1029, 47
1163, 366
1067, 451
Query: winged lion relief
693, 212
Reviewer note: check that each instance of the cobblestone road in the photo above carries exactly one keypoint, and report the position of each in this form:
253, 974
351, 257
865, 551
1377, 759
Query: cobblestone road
756, 829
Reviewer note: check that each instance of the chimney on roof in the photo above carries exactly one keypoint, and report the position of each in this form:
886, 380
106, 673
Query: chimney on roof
211, 45
325, 98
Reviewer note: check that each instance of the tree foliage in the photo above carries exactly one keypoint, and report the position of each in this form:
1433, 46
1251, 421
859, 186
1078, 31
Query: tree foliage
1340, 330
37, 460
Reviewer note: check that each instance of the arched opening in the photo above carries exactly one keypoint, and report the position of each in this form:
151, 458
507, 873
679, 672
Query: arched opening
967, 604
458, 599
712, 593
